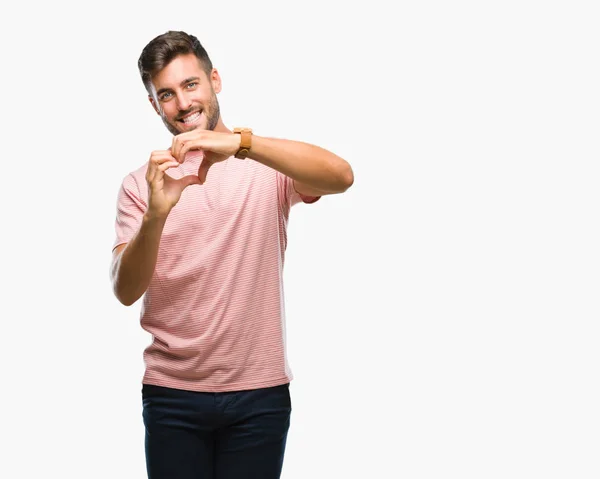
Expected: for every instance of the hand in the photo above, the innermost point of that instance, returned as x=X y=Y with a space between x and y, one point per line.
x=217 y=146
x=163 y=191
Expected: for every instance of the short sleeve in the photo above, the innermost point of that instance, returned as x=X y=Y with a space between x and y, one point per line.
x=288 y=194
x=130 y=211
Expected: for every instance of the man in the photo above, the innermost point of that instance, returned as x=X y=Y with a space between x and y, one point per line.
x=204 y=245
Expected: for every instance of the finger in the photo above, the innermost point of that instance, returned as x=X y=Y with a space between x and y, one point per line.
x=173 y=148
x=157 y=159
x=168 y=164
x=176 y=148
x=184 y=142
x=185 y=147
x=189 y=146
x=151 y=171
x=159 y=173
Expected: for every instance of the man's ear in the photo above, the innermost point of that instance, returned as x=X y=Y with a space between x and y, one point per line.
x=153 y=103
x=215 y=80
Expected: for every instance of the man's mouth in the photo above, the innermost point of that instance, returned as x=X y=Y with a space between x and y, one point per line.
x=191 y=118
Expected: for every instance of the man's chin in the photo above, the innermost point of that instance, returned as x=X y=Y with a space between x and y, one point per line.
x=178 y=127
x=185 y=128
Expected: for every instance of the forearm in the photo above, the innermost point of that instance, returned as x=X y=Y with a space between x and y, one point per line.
x=303 y=162
x=134 y=267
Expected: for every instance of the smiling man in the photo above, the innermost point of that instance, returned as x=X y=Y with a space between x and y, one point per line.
x=201 y=236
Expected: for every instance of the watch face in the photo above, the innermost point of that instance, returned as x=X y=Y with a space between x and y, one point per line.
x=242 y=154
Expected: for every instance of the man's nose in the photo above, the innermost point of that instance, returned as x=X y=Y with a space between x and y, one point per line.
x=183 y=102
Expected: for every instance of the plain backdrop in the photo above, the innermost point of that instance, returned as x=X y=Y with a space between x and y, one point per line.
x=442 y=314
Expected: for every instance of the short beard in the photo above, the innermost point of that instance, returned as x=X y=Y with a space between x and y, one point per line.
x=212 y=120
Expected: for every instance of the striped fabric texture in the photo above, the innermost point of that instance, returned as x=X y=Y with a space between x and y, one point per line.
x=215 y=305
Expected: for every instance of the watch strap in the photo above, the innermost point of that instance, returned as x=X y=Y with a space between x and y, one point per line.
x=245 y=143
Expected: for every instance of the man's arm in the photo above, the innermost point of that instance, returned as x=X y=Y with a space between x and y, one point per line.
x=315 y=170
x=133 y=263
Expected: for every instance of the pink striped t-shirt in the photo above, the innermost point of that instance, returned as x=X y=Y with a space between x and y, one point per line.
x=215 y=304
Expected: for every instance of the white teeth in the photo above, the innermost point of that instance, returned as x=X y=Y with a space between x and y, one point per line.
x=192 y=118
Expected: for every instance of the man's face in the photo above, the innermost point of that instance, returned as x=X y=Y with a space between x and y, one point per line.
x=185 y=97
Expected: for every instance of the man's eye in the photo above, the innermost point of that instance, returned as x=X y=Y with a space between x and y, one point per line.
x=164 y=96
x=192 y=84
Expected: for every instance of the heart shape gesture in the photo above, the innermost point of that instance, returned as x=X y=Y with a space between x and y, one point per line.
x=216 y=146
x=164 y=191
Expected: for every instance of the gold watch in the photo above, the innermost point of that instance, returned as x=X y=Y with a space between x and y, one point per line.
x=245 y=144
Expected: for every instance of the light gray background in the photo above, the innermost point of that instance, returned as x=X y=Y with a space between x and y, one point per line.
x=442 y=313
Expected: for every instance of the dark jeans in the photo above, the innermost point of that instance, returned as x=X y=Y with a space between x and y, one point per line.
x=231 y=435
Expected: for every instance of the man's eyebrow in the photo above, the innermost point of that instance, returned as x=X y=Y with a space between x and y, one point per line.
x=187 y=80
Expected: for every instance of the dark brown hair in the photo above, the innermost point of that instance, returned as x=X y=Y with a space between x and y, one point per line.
x=164 y=48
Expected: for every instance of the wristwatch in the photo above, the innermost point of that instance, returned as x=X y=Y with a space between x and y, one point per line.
x=246 y=142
